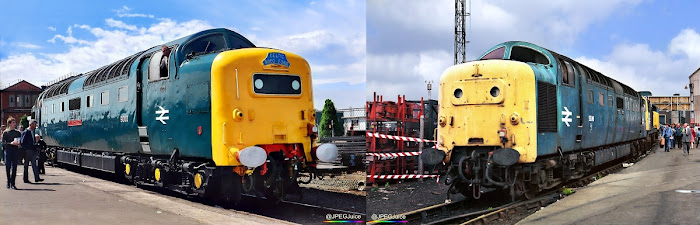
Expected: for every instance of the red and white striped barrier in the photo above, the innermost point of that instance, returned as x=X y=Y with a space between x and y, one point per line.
x=400 y=138
x=400 y=154
x=401 y=177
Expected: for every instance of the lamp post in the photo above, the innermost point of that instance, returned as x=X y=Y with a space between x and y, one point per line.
x=429 y=84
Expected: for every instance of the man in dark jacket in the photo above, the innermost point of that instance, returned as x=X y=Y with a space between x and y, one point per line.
x=30 y=149
x=10 y=142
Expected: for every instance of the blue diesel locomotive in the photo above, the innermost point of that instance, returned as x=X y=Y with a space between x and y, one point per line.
x=208 y=114
x=525 y=119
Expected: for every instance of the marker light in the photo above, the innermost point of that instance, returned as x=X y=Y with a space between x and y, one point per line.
x=252 y=156
x=327 y=152
x=502 y=133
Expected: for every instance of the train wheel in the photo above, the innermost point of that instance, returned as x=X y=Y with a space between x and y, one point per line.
x=525 y=190
x=466 y=190
x=271 y=186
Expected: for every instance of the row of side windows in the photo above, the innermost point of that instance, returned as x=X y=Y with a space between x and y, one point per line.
x=75 y=103
x=625 y=103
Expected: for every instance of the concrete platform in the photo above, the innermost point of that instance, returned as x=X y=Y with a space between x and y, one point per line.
x=663 y=188
x=70 y=198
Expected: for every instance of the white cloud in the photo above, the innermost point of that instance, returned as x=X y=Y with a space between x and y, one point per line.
x=406 y=73
x=26 y=45
x=109 y=46
x=664 y=72
x=686 y=43
x=52 y=28
x=353 y=73
x=68 y=39
x=119 y=24
x=302 y=43
x=124 y=12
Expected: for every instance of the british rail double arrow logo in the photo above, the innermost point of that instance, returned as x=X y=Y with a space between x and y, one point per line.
x=567 y=115
x=162 y=118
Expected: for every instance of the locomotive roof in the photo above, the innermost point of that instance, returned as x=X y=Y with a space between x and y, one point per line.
x=120 y=69
x=591 y=74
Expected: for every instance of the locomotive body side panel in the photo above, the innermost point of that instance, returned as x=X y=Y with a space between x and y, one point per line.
x=175 y=108
x=570 y=114
x=106 y=125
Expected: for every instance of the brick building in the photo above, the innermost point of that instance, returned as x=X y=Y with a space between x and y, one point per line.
x=17 y=100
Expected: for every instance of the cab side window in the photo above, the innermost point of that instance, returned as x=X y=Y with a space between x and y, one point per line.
x=567 y=73
x=205 y=45
x=528 y=55
x=238 y=43
x=495 y=54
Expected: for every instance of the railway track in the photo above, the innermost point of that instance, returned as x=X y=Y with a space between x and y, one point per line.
x=467 y=212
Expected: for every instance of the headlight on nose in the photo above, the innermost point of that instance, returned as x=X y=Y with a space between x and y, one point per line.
x=495 y=91
x=458 y=93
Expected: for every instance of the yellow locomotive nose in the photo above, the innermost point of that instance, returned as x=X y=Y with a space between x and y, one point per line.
x=501 y=98
x=259 y=97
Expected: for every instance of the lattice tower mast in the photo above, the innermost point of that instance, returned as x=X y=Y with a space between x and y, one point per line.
x=462 y=17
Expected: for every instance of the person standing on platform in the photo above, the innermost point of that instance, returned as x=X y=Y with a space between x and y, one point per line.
x=686 y=139
x=30 y=149
x=2 y=149
x=42 y=153
x=672 y=136
x=667 y=134
x=10 y=142
x=697 y=136
x=692 y=136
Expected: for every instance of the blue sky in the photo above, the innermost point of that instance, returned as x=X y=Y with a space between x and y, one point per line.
x=43 y=40
x=648 y=44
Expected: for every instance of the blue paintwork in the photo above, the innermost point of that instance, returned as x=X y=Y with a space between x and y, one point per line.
x=598 y=125
x=113 y=127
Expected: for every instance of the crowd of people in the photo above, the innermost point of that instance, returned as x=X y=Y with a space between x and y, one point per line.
x=682 y=136
x=18 y=144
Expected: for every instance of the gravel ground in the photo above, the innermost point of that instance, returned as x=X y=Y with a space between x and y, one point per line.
x=406 y=196
x=353 y=183
x=514 y=218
